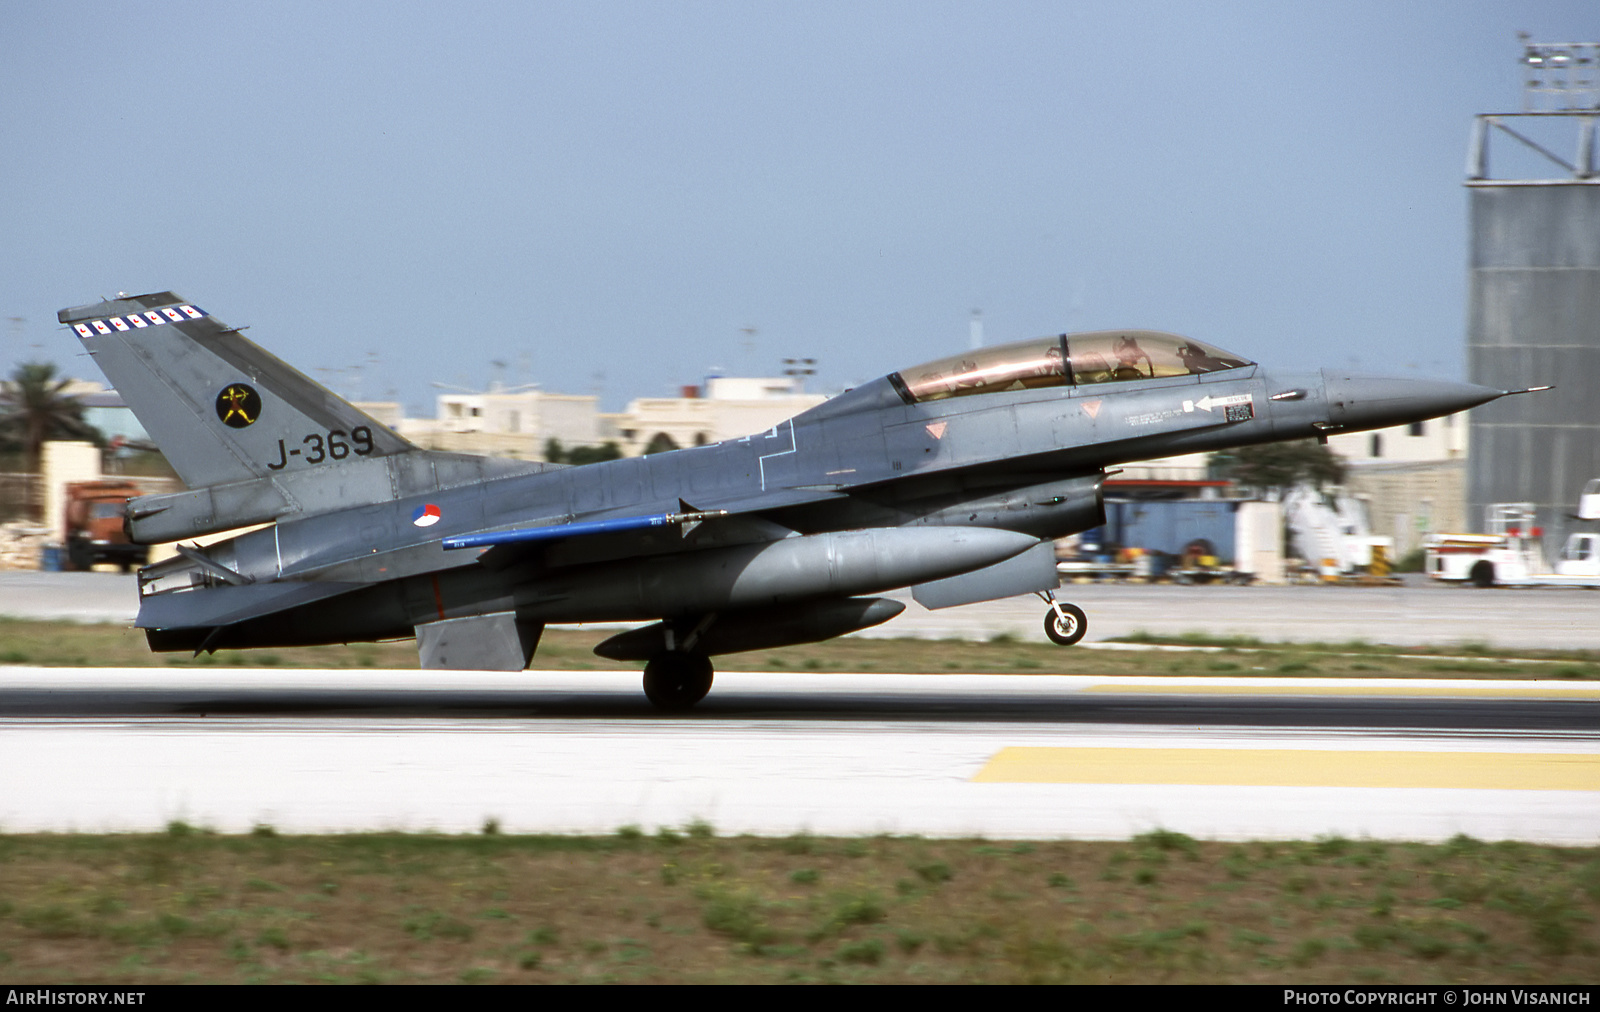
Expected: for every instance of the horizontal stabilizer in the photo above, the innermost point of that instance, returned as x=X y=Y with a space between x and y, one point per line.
x=220 y=606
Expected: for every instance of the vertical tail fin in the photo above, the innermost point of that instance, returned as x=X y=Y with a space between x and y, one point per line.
x=221 y=408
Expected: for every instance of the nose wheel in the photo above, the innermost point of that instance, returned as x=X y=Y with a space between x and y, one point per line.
x=675 y=680
x=1064 y=623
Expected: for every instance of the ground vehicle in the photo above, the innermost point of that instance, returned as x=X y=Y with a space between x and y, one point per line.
x=1589 y=501
x=1510 y=554
x=1580 y=557
x=95 y=532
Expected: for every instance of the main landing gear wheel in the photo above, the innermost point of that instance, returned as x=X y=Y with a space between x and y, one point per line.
x=674 y=680
x=1065 y=623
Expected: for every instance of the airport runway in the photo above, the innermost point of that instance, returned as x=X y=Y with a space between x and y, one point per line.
x=1414 y=614
x=775 y=753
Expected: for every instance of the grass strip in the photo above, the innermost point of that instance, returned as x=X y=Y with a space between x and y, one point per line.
x=56 y=644
x=684 y=905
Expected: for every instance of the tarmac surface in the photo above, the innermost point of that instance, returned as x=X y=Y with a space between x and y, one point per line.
x=1007 y=756
x=1418 y=613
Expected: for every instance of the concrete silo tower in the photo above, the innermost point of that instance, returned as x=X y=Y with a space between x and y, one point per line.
x=1533 y=303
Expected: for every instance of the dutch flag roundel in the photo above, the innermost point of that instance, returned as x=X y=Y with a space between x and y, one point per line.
x=426 y=516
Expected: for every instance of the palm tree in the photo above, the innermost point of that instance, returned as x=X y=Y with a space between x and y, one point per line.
x=660 y=443
x=34 y=407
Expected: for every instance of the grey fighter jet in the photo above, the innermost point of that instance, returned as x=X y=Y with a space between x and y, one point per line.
x=951 y=478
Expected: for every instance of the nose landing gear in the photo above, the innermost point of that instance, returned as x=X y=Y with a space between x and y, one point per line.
x=1064 y=623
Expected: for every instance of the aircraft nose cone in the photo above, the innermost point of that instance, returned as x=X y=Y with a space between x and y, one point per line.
x=1375 y=402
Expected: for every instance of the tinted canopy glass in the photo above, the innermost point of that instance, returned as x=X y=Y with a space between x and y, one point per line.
x=1020 y=366
x=1111 y=355
x=1102 y=357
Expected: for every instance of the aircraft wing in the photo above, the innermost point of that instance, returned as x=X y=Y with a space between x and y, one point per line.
x=580 y=528
x=507 y=546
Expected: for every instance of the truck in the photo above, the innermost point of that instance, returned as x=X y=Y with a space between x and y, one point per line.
x=1510 y=553
x=95 y=530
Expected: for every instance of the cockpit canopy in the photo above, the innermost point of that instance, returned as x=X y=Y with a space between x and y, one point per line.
x=1107 y=356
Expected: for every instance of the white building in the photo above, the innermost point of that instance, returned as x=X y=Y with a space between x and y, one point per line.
x=1413 y=478
x=728 y=407
x=499 y=423
x=1432 y=441
x=520 y=423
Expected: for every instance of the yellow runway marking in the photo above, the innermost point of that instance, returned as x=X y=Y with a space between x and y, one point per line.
x=1524 y=771
x=1358 y=689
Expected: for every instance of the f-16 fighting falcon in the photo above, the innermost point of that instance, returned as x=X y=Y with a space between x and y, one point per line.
x=951 y=478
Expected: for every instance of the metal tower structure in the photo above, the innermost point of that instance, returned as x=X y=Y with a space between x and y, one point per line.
x=1533 y=294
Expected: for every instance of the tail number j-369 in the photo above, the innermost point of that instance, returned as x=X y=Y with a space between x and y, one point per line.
x=317 y=448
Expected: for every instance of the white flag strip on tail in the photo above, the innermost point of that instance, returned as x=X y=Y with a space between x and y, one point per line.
x=125 y=324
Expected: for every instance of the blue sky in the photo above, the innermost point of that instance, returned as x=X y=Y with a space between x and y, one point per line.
x=602 y=196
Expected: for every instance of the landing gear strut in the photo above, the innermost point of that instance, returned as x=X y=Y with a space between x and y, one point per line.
x=675 y=680
x=1064 y=623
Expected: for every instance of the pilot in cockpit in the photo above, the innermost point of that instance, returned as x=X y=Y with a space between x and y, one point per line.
x=1128 y=355
x=1196 y=359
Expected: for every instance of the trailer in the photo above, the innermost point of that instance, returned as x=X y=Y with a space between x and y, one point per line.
x=1183 y=540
